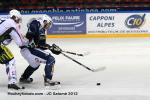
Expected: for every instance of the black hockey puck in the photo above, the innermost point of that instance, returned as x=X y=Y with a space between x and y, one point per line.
x=22 y=87
x=98 y=84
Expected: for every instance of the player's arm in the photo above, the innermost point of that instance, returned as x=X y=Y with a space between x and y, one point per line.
x=33 y=30
x=42 y=41
x=17 y=37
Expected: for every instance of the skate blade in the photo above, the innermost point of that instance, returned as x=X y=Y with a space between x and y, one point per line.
x=98 y=69
x=14 y=90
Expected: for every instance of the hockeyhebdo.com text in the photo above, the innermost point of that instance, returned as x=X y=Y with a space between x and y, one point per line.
x=16 y=93
x=24 y=93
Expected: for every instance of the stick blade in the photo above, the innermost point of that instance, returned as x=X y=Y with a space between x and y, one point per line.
x=86 y=53
x=98 y=69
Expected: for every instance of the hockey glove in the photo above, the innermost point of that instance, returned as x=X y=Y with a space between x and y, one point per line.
x=55 y=49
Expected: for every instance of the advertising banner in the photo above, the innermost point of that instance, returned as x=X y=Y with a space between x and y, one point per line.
x=68 y=23
x=93 y=23
x=114 y=23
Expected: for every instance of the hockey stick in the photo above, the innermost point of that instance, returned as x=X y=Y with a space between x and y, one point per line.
x=93 y=70
x=69 y=52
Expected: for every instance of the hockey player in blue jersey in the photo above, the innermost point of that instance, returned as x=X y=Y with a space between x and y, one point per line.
x=35 y=54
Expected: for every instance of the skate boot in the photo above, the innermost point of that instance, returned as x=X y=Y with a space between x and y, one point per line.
x=28 y=80
x=48 y=82
x=15 y=87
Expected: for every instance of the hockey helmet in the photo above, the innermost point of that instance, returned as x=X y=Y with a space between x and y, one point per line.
x=15 y=13
x=47 y=21
x=47 y=18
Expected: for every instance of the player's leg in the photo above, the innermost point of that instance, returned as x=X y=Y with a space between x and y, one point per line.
x=49 y=67
x=33 y=66
x=25 y=77
x=40 y=56
x=36 y=56
x=7 y=58
x=49 y=60
x=49 y=70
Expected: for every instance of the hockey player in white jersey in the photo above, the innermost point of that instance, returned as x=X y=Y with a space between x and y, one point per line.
x=35 y=54
x=9 y=30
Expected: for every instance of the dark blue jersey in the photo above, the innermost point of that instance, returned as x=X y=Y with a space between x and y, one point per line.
x=37 y=34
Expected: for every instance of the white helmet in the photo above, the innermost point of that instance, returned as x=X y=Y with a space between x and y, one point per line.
x=15 y=13
x=47 y=18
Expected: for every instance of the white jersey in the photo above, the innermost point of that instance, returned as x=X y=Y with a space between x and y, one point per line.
x=10 y=28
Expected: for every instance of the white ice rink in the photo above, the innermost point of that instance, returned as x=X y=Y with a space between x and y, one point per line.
x=127 y=76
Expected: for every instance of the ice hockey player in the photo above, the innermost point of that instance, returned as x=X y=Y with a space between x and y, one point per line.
x=35 y=54
x=9 y=30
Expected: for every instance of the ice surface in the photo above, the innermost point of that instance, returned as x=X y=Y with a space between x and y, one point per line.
x=127 y=76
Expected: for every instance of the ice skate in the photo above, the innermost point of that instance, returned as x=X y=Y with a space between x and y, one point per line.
x=28 y=80
x=49 y=84
x=15 y=87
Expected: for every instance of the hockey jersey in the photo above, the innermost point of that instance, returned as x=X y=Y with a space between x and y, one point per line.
x=10 y=30
x=37 y=34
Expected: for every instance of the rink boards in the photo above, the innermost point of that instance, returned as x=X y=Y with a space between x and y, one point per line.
x=101 y=36
x=94 y=25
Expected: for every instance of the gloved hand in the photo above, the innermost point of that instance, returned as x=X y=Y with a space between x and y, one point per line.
x=55 y=49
